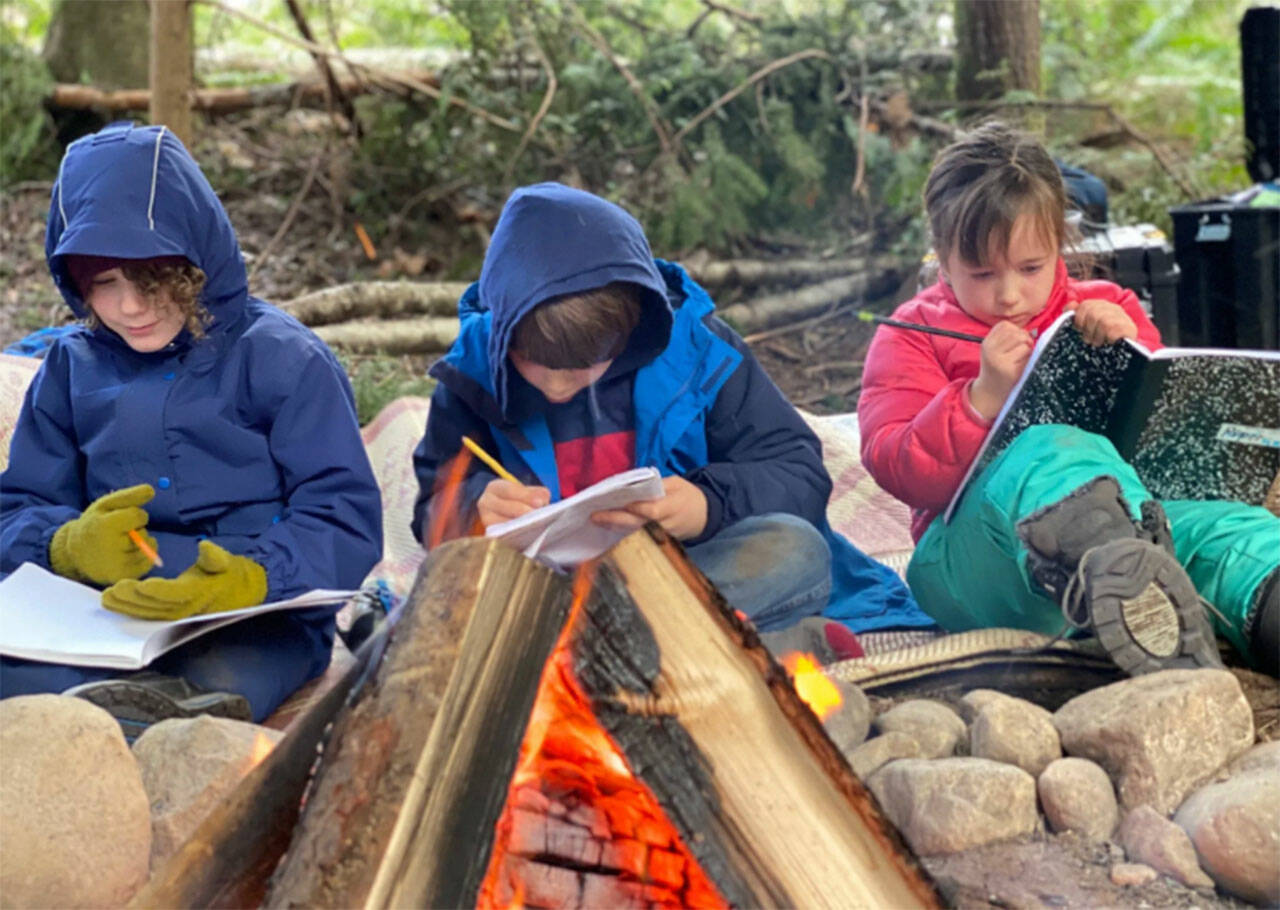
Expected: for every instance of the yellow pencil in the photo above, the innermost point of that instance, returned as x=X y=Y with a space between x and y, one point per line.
x=488 y=459
x=141 y=544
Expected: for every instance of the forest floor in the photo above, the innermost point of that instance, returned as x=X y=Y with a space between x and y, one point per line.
x=258 y=168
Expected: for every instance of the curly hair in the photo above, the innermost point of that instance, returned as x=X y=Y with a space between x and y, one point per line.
x=183 y=283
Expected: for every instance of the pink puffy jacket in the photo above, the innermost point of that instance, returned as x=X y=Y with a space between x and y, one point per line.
x=919 y=432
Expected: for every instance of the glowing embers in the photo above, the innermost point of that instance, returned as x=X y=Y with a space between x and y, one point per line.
x=578 y=829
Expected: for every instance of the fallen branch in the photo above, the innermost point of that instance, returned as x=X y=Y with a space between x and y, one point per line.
x=289 y=215
x=875 y=277
x=552 y=84
x=650 y=109
x=746 y=84
x=336 y=94
x=387 y=299
x=424 y=88
x=428 y=334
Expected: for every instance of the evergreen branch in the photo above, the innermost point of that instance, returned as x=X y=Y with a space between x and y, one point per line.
x=746 y=84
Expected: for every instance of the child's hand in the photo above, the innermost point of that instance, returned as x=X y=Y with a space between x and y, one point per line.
x=682 y=511
x=503 y=500
x=1102 y=322
x=1005 y=352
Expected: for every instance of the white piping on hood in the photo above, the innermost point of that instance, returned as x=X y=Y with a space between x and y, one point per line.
x=155 y=169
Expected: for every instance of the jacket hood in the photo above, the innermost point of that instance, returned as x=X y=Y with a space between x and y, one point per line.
x=553 y=240
x=134 y=192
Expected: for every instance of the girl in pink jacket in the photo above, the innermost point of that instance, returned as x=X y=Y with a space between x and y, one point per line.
x=1053 y=525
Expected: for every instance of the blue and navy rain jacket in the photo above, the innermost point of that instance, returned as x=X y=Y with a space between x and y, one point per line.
x=248 y=435
x=701 y=405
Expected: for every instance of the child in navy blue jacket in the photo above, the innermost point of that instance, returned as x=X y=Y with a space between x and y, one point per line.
x=187 y=412
x=579 y=356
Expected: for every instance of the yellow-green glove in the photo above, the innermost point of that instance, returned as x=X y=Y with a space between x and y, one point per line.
x=96 y=547
x=218 y=581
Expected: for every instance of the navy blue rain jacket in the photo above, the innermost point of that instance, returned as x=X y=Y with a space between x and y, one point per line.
x=248 y=435
x=704 y=408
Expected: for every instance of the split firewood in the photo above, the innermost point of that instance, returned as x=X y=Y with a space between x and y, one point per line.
x=429 y=334
x=741 y=765
x=406 y=782
x=385 y=299
x=227 y=861
x=875 y=278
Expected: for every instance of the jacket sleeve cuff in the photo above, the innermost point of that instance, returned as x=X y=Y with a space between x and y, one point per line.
x=970 y=409
x=715 y=517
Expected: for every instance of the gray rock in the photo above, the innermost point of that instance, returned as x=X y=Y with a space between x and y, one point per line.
x=75 y=828
x=1235 y=829
x=934 y=725
x=868 y=757
x=1262 y=756
x=1148 y=837
x=1128 y=875
x=189 y=766
x=1077 y=796
x=1159 y=736
x=975 y=700
x=952 y=804
x=1015 y=732
x=848 y=724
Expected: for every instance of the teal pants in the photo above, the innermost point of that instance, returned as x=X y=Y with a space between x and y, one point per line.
x=972 y=573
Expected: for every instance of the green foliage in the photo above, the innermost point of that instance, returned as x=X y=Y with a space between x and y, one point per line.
x=27 y=147
x=1172 y=68
x=380 y=379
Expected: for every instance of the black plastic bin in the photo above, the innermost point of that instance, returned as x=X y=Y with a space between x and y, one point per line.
x=1229 y=290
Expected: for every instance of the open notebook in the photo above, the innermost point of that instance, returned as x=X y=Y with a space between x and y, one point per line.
x=1195 y=423
x=562 y=534
x=46 y=617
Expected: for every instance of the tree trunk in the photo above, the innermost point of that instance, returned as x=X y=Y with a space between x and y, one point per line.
x=171 y=67
x=998 y=48
x=100 y=43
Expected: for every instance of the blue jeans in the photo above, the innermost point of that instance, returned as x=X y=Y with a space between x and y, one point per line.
x=775 y=568
x=265 y=659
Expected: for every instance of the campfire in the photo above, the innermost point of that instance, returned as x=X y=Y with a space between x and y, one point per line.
x=616 y=739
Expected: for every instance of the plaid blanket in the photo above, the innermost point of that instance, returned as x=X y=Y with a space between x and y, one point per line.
x=873 y=520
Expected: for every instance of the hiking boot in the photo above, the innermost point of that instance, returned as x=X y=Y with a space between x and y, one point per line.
x=1119 y=579
x=142 y=699
x=826 y=640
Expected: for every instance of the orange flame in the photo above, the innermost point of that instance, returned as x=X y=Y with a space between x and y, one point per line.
x=445 y=510
x=568 y=760
x=811 y=684
x=262 y=746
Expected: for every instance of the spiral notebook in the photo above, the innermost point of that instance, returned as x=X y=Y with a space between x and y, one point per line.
x=46 y=617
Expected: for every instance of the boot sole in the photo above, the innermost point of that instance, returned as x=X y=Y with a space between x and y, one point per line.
x=137 y=706
x=1145 y=611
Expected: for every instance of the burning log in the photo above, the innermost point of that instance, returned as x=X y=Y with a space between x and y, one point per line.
x=665 y=760
x=443 y=719
x=712 y=727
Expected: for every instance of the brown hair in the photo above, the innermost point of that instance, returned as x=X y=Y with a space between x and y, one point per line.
x=982 y=183
x=579 y=330
x=183 y=282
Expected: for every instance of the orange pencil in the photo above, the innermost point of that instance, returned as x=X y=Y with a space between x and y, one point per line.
x=141 y=544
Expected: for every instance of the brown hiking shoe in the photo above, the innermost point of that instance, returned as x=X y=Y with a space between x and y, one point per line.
x=1119 y=579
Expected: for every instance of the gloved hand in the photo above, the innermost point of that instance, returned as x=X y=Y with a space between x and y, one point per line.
x=217 y=581
x=96 y=547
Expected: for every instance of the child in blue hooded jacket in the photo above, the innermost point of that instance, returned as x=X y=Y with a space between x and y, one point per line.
x=580 y=356
x=188 y=412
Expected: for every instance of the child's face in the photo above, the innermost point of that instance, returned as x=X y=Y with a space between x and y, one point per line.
x=558 y=386
x=1014 y=285
x=145 y=323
